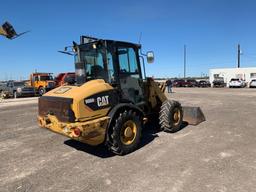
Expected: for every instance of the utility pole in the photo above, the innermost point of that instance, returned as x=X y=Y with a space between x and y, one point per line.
x=238 y=55
x=185 y=60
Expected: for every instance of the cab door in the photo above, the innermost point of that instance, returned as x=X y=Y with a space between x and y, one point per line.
x=130 y=73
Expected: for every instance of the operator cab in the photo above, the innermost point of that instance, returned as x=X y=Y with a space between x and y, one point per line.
x=116 y=62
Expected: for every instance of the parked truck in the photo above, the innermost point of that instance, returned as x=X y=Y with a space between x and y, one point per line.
x=218 y=82
x=16 y=89
x=2 y=86
x=42 y=82
x=68 y=78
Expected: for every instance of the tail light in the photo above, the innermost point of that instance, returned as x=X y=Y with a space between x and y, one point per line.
x=77 y=132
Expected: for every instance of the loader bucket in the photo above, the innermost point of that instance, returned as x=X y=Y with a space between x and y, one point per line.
x=193 y=115
x=7 y=30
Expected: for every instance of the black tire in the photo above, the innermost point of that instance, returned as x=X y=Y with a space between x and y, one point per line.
x=171 y=116
x=117 y=143
x=41 y=91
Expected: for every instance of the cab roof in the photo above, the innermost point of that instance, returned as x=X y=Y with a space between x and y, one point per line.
x=88 y=39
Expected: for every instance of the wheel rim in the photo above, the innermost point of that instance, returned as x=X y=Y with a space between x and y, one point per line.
x=41 y=91
x=176 y=116
x=128 y=132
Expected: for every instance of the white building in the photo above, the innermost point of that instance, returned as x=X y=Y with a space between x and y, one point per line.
x=246 y=74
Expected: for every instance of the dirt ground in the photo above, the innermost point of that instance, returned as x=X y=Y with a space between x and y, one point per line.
x=217 y=155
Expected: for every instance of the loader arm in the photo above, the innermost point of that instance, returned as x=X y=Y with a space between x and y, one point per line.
x=155 y=92
x=191 y=114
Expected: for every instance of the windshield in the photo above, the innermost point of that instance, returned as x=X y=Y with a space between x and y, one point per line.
x=59 y=77
x=91 y=64
x=46 y=78
x=234 y=80
x=17 y=84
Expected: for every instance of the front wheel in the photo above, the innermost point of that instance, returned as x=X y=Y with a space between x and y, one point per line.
x=171 y=116
x=126 y=133
x=41 y=91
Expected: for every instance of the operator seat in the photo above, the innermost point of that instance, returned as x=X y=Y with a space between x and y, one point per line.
x=98 y=72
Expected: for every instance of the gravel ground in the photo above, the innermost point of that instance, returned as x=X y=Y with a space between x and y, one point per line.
x=217 y=155
x=18 y=101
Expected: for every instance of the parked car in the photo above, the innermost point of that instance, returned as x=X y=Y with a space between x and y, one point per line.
x=218 y=82
x=2 y=86
x=203 y=83
x=18 y=89
x=191 y=83
x=252 y=83
x=2 y=89
x=237 y=83
x=65 y=79
x=179 y=83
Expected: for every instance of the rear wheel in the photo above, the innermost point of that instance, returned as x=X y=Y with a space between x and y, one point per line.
x=171 y=116
x=125 y=133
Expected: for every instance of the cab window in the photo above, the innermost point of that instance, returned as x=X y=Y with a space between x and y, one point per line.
x=127 y=60
x=111 y=76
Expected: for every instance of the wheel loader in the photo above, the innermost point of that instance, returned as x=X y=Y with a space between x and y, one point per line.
x=112 y=99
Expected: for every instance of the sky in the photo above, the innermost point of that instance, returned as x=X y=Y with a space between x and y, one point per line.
x=211 y=30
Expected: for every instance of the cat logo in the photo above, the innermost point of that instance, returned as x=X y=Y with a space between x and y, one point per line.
x=103 y=101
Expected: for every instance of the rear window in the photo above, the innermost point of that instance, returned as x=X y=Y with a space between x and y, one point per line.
x=59 y=76
x=46 y=78
x=234 y=79
x=71 y=76
x=19 y=84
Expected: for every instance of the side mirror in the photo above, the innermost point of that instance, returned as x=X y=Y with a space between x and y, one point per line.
x=150 y=57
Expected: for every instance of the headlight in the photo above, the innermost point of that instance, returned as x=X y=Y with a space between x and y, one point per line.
x=19 y=90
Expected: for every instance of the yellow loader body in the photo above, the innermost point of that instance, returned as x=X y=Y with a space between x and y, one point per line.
x=91 y=125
